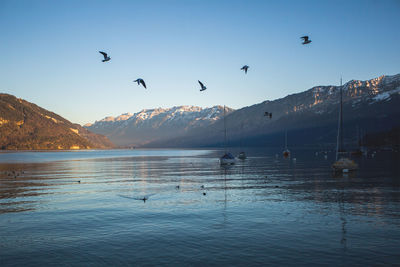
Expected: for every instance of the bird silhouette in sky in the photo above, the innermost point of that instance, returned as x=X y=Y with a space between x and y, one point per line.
x=306 y=40
x=245 y=68
x=268 y=114
x=106 y=58
x=140 y=81
x=202 y=86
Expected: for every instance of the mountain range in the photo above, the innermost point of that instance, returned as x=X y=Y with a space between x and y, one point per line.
x=309 y=117
x=24 y=125
x=155 y=125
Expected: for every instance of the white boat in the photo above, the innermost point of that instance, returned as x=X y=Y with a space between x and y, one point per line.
x=286 y=152
x=242 y=155
x=227 y=158
x=342 y=163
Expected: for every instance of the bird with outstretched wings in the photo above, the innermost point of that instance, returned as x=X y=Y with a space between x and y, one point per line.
x=106 y=57
x=140 y=81
x=202 y=86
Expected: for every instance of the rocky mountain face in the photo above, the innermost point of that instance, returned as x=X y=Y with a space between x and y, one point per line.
x=24 y=125
x=156 y=125
x=310 y=117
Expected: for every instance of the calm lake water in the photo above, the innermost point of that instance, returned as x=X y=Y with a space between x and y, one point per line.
x=83 y=208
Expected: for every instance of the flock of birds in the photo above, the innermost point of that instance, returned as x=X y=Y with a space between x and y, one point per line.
x=140 y=81
x=13 y=173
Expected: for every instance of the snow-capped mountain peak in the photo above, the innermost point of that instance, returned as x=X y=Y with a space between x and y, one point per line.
x=139 y=127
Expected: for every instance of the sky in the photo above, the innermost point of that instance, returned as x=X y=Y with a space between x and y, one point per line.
x=49 y=51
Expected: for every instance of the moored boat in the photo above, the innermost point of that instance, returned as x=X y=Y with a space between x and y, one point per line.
x=227 y=158
x=242 y=155
x=342 y=163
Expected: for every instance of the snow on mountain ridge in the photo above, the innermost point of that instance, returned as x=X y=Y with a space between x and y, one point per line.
x=160 y=116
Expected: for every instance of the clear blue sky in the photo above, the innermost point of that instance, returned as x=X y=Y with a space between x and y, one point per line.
x=49 y=51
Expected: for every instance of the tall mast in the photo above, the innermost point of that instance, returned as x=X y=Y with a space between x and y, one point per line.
x=285 y=139
x=224 y=132
x=341 y=115
x=339 y=139
x=241 y=136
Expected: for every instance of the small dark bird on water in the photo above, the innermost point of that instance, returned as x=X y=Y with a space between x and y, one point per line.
x=306 y=40
x=202 y=86
x=106 y=58
x=204 y=193
x=141 y=81
x=144 y=198
x=177 y=187
x=245 y=68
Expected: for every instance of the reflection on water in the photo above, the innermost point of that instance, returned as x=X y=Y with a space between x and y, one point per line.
x=180 y=207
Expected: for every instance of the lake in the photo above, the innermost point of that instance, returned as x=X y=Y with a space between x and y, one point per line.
x=179 y=207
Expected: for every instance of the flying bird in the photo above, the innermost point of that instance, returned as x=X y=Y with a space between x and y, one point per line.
x=106 y=58
x=202 y=86
x=268 y=114
x=140 y=81
x=245 y=68
x=306 y=39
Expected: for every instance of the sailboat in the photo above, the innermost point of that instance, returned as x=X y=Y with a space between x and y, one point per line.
x=241 y=155
x=342 y=163
x=360 y=151
x=286 y=152
x=227 y=158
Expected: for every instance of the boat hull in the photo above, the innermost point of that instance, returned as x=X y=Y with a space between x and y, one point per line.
x=345 y=165
x=286 y=153
x=242 y=155
x=227 y=161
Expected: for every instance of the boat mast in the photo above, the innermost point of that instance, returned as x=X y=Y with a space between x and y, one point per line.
x=224 y=132
x=241 y=136
x=341 y=116
x=285 y=139
x=339 y=140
